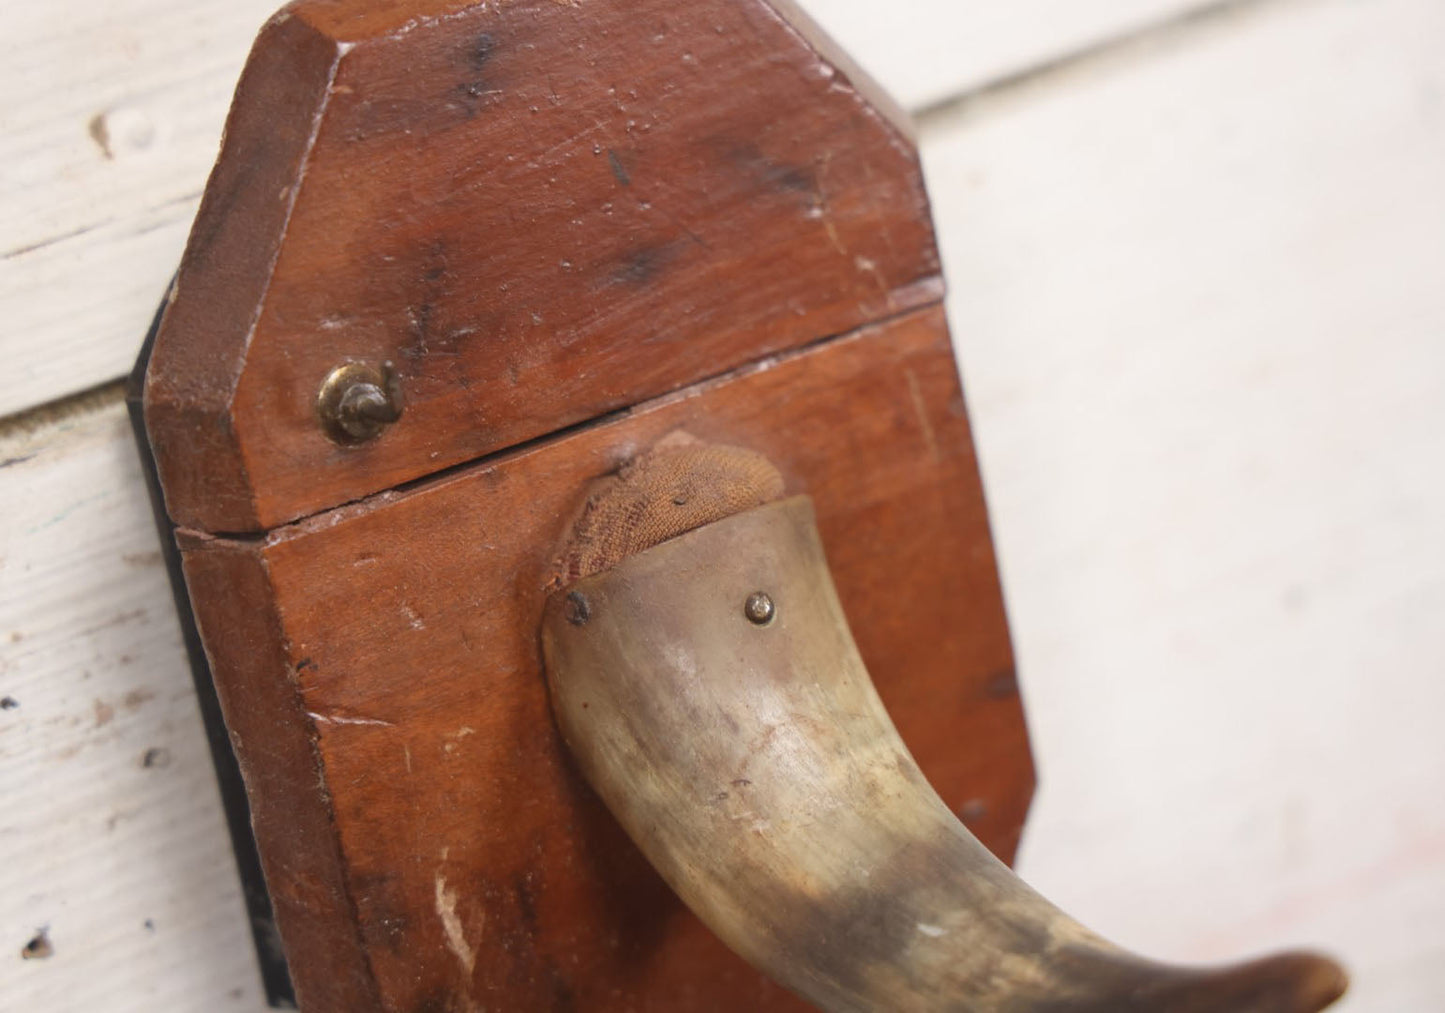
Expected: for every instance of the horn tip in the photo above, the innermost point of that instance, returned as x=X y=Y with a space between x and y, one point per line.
x=1305 y=982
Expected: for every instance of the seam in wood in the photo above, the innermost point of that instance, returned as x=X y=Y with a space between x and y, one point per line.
x=71 y=408
x=1182 y=28
x=331 y=514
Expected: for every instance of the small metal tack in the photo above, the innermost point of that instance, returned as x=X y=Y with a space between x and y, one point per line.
x=759 y=608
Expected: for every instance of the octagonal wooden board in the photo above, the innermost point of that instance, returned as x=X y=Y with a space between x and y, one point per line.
x=542 y=211
x=573 y=228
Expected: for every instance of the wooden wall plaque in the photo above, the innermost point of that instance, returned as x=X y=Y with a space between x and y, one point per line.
x=571 y=228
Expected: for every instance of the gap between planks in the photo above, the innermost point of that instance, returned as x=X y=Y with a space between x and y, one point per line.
x=1148 y=41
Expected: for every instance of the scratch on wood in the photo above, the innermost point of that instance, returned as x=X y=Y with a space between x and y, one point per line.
x=832 y=231
x=452 y=737
x=446 y=907
x=342 y=719
x=921 y=410
x=618 y=169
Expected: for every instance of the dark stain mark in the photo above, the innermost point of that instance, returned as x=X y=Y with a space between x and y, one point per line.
x=304 y=664
x=104 y=713
x=619 y=171
x=382 y=910
x=777 y=176
x=8 y=703
x=526 y=897
x=789 y=178
x=15 y=460
x=1002 y=684
x=907 y=769
x=419 y=325
x=150 y=925
x=579 y=609
x=482 y=49
x=222 y=201
x=972 y=811
x=39 y=947
x=142 y=559
x=641 y=267
x=477 y=55
x=741 y=782
x=433 y=345
x=853 y=934
x=136 y=697
x=100 y=133
x=439 y=1001
x=155 y=758
x=564 y=1000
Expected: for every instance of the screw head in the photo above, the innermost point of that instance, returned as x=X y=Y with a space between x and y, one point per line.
x=357 y=402
x=759 y=608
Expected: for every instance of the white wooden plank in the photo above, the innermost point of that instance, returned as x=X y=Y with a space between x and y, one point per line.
x=924 y=51
x=1196 y=290
x=111 y=120
x=112 y=839
x=113 y=112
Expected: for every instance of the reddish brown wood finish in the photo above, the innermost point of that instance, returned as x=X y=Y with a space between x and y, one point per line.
x=573 y=227
x=379 y=665
x=539 y=210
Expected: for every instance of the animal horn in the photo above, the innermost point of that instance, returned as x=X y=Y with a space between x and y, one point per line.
x=711 y=691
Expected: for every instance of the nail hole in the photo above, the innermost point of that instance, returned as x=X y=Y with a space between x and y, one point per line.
x=39 y=947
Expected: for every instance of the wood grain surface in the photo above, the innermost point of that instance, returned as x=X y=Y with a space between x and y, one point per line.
x=400 y=749
x=539 y=213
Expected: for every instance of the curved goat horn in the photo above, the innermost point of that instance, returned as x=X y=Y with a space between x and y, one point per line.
x=712 y=693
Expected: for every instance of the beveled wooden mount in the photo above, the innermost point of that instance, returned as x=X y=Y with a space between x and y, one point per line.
x=458 y=260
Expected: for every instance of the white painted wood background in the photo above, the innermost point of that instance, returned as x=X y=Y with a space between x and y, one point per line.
x=1197 y=260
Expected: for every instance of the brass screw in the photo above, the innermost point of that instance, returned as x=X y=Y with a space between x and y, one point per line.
x=759 y=608
x=356 y=402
